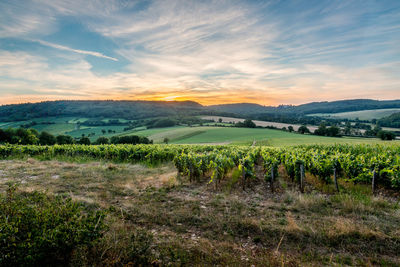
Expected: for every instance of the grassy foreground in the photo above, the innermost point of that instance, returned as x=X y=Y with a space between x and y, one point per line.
x=155 y=219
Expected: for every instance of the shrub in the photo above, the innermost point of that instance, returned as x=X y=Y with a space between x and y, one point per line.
x=47 y=139
x=386 y=135
x=102 y=141
x=37 y=229
x=64 y=140
x=84 y=141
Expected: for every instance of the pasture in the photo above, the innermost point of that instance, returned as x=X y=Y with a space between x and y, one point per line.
x=245 y=136
x=362 y=114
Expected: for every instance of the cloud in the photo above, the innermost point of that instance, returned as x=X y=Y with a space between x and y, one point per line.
x=229 y=51
x=84 y=52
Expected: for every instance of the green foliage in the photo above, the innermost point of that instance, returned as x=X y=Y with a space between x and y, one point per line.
x=47 y=139
x=164 y=122
x=391 y=121
x=246 y=123
x=303 y=129
x=37 y=229
x=19 y=136
x=352 y=162
x=84 y=141
x=386 y=135
x=102 y=141
x=130 y=139
x=64 y=140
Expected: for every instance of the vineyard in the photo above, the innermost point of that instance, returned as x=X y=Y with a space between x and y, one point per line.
x=375 y=164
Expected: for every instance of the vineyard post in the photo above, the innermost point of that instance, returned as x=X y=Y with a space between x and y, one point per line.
x=302 y=178
x=244 y=178
x=191 y=171
x=216 y=178
x=335 y=179
x=271 y=182
x=373 y=181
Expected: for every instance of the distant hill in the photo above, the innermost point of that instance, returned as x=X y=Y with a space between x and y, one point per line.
x=97 y=109
x=391 y=121
x=242 y=108
x=309 y=108
x=132 y=110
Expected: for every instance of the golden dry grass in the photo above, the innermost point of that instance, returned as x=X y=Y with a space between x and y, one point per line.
x=196 y=224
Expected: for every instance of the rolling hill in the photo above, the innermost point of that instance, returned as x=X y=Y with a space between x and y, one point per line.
x=132 y=110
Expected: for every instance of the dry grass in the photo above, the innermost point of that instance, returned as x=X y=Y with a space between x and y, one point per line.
x=195 y=224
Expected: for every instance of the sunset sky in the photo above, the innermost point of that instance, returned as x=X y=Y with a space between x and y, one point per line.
x=266 y=52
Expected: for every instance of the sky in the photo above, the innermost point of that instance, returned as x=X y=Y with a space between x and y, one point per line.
x=265 y=52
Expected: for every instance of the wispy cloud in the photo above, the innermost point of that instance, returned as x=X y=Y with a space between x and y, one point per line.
x=66 y=48
x=269 y=52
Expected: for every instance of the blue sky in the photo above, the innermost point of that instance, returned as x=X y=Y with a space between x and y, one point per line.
x=267 y=52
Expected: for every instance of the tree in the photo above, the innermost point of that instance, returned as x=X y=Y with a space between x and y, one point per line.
x=102 y=141
x=47 y=139
x=3 y=136
x=321 y=130
x=249 y=123
x=290 y=128
x=386 y=135
x=27 y=136
x=377 y=129
x=166 y=140
x=64 y=140
x=303 y=129
x=165 y=122
x=219 y=120
x=347 y=129
x=103 y=131
x=333 y=131
x=84 y=141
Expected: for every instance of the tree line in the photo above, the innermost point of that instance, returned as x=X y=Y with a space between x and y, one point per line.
x=24 y=136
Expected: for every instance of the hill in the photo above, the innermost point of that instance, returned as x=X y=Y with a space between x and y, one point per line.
x=391 y=121
x=368 y=114
x=98 y=109
x=309 y=108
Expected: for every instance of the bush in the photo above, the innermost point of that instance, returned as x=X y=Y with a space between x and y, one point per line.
x=64 y=140
x=37 y=229
x=303 y=129
x=165 y=122
x=130 y=139
x=386 y=135
x=47 y=139
x=84 y=141
x=102 y=141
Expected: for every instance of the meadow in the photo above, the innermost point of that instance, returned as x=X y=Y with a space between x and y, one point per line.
x=195 y=134
x=246 y=136
x=362 y=114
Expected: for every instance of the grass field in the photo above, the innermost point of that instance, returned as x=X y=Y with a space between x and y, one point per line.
x=279 y=125
x=362 y=115
x=191 y=135
x=163 y=221
x=244 y=136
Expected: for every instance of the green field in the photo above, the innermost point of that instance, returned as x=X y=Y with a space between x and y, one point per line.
x=244 y=136
x=186 y=134
x=69 y=126
x=362 y=114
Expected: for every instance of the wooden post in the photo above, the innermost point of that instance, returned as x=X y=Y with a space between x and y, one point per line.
x=244 y=178
x=191 y=171
x=373 y=181
x=301 y=178
x=271 y=182
x=335 y=179
x=216 y=180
